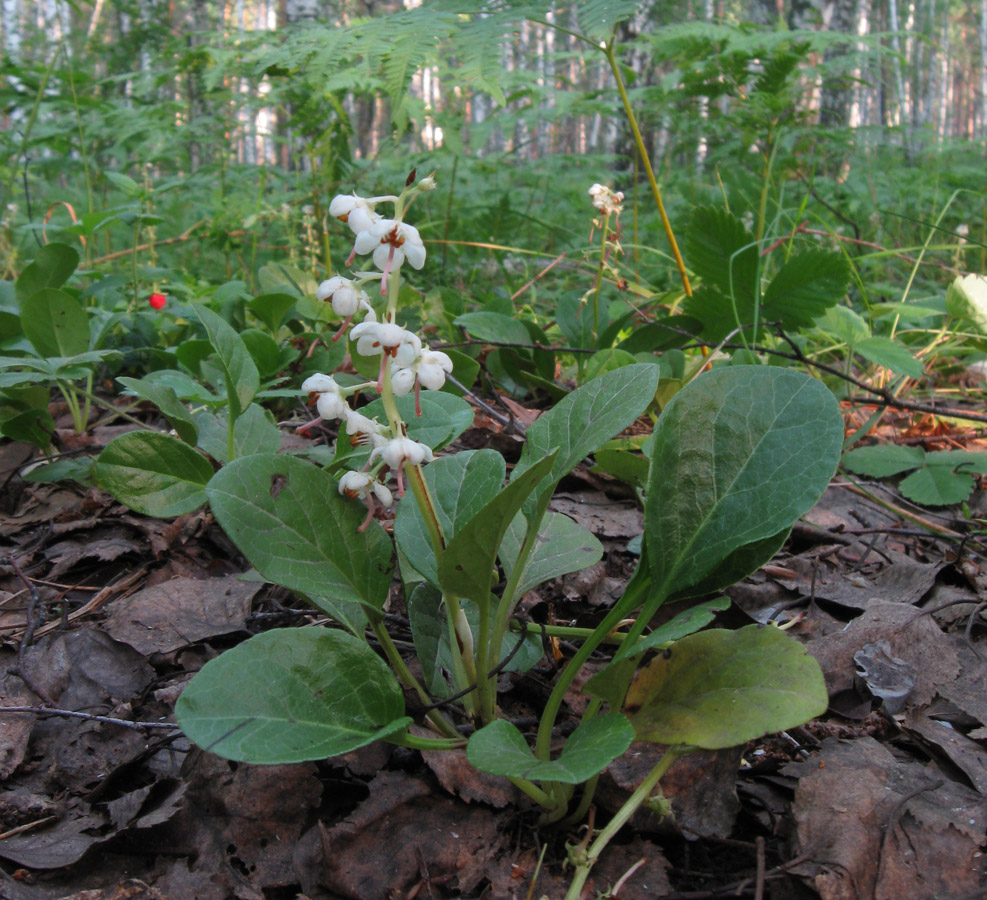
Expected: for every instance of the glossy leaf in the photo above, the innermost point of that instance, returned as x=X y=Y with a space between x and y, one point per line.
x=291 y=695
x=685 y=623
x=586 y=419
x=253 y=432
x=51 y=268
x=154 y=474
x=738 y=455
x=500 y=748
x=722 y=688
x=562 y=546
x=166 y=400
x=493 y=326
x=239 y=370
x=287 y=517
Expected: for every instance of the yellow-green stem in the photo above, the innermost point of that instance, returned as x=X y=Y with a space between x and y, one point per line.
x=622 y=817
x=646 y=161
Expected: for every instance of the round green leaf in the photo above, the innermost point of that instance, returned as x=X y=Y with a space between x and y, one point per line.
x=291 y=695
x=51 y=268
x=723 y=688
x=154 y=474
x=499 y=748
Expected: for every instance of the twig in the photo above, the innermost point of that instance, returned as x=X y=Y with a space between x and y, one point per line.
x=35 y=616
x=489 y=410
x=759 y=882
x=27 y=826
x=73 y=714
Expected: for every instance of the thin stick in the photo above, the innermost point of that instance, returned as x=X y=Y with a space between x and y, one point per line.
x=73 y=714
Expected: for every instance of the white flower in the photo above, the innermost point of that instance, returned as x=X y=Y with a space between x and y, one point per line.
x=381 y=337
x=356 y=212
x=359 y=484
x=391 y=243
x=606 y=200
x=400 y=450
x=362 y=430
x=432 y=369
x=345 y=296
x=331 y=402
x=402 y=381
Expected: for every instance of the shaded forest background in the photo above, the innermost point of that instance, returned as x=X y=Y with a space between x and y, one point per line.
x=263 y=107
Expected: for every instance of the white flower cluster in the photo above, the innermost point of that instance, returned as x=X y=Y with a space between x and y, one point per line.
x=406 y=364
x=607 y=201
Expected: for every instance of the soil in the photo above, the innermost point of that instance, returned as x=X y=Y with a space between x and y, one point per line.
x=105 y=615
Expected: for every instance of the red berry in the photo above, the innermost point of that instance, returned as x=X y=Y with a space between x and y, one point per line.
x=158 y=301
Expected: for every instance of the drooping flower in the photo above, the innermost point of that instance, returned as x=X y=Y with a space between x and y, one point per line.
x=356 y=212
x=427 y=371
x=398 y=451
x=361 y=486
x=330 y=399
x=346 y=299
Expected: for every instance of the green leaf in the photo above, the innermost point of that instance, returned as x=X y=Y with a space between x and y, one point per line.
x=844 y=324
x=631 y=468
x=264 y=351
x=239 y=371
x=461 y=485
x=685 y=623
x=805 y=286
x=723 y=254
x=492 y=326
x=722 y=688
x=882 y=460
x=271 y=308
x=586 y=419
x=124 y=182
x=606 y=361
x=467 y=565
x=662 y=334
x=291 y=695
x=937 y=486
x=287 y=517
x=33 y=426
x=890 y=354
x=499 y=748
x=63 y=470
x=738 y=455
x=55 y=323
x=254 y=432
x=574 y=316
x=714 y=310
x=51 y=268
x=562 y=546
x=166 y=400
x=154 y=474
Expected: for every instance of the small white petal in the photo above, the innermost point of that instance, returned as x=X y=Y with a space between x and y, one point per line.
x=319 y=383
x=331 y=405
x=402 y=381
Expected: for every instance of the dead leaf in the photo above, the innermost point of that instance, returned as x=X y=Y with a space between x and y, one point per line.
x=599 y=514
x=400 y=831
x=180 y=612
x=875 y=828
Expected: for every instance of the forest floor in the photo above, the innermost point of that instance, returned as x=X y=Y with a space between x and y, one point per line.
x=107 y=614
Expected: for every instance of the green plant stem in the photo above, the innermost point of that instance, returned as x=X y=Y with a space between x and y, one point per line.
x=533 y=791
x=571 y=632
x=70 y=394
x=598 y=282
x=621 y=818
x=416 y=742
x=554 y=702
x=611 y=56
x=408 y=679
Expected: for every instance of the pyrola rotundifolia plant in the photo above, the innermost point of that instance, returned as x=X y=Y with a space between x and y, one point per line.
x=736 y=457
